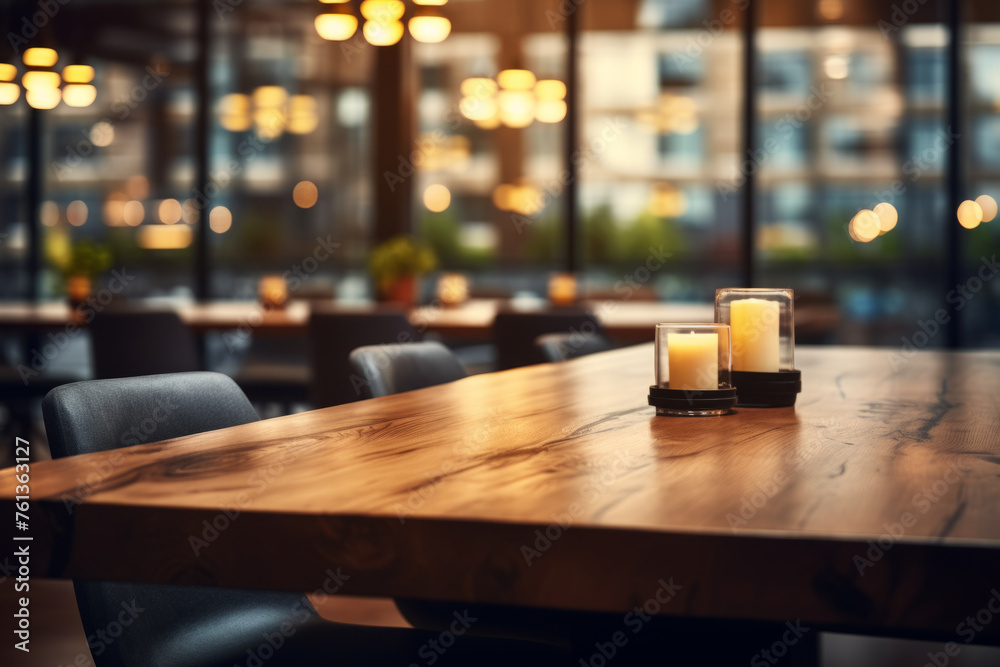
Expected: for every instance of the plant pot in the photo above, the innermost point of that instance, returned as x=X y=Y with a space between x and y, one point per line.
x=78 y=289
x=402 y=292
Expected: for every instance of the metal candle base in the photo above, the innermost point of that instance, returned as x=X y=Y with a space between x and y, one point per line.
x=767 y=390
x=692 y=403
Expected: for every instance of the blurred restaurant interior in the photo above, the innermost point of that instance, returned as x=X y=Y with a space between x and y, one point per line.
x=245 y=163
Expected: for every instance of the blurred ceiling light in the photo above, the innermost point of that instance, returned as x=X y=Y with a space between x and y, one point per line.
x=503 y=197
x=114 y=209
x=160 y=237
x=234 y=112
x=269 y=124
x=137 y=186
x=431 y=3
x=220 y=220
x=516 y=79
x=79 y=95
x=989 y=206
x=383 y=34
x=830 y=10
x=550 y=89
x=43 y=98
x=337 y=24
x=480 y=88
x=302 y=115
x=133 y=213
x=102 y=134
x=517 y=108
x=40 y=79
x=269 y=97
x=525 y=199
x=550 y=111
x=475 y=108
x=305 y=194
x=672 y=114
x=170 y=211
x=429 y=26
x=78 y=74
x=887 y=217
x=836 y=66
x=48 y=213
x=7 y=72
x=9 y=93
x=77 y=213
x=40 y=57
x=865 y=225
x=352 y=107
x=437 y=198
x=970 y=214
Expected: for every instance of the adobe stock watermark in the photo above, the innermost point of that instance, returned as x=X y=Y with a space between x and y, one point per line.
x=40 y=359
x=756 y=158
x=34 y=23
x=434 y=649
x=901 y=14
x=781 y=646
x=557 y=17
x=957 y=299
x=916 y=166
x=704 y=38
x=922 y=503
x=967 y=629
x=634 y=621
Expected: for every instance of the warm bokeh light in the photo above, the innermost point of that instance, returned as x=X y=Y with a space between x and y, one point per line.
x=550 y=89
x=437 y=198
x=431 y=3
x=114 y=209
x=516 y=79
x=9 y=93
x=270 y=97
x=305 y=194
x=102 y=134
x=79 y=95
x=989 y=206
x=667 y=201
x=480 y=88
x=430 y=29
x=190 y=213
x=517 y=108
x=40 y=57
x=477 y=109
x=234 y=112
x=272 y=290
x=562 y=289
x=836 y=66
x=77 y=213
x=220 y=220
x=383 y=11
x=7 y=72
x=35 y=80
x=134 y=213
x=830 y=10
x=336 y=27
x=78 y=74
x=503 y=197
x=169 y=211
x=49 y=213
x=269 y=123
x=161 y=237
x=302 y=115
x=453 y=289
x=137 y=186
x=383 y=34
x=43 y=98
x=550 y=111
x=970 y=214
x=865 y=226
x=887 y=216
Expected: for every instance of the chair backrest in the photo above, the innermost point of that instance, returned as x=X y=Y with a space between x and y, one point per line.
x=566 y=346
x=391 y=369
x=334 y=335
x=176 y=623
x=514 y=333
x=129 y=342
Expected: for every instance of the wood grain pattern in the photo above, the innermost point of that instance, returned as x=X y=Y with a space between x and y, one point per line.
x=443 y=493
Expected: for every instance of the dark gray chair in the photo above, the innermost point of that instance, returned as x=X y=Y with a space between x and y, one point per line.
x=382 y=370
x=515 y=332
x=334 y=334
x=202 y=626
x=126 y=342
x=566 y=346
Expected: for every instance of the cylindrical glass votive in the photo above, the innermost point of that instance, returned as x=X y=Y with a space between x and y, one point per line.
x=693 y=364
x=762 y=322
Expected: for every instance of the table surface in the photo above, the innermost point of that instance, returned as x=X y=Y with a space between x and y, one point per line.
x=626 y=320
x=871 y=505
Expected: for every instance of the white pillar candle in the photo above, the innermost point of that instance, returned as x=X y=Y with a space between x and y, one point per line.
x=694 y=361
x=754 y=325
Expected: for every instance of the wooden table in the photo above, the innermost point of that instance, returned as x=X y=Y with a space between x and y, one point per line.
x=871 y=506
x=628 y=321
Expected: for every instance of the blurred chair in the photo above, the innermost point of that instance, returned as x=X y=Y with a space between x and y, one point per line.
x=126 y=342
x=514 y=333
x=334 y=334
x=393 y=369
x=566 y=346
x=275 y=369
x=204 y=626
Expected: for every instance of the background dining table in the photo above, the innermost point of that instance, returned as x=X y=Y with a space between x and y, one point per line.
x=871 y=506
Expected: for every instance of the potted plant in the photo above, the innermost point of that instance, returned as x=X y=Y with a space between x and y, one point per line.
x=79 y=263
x=395 y=265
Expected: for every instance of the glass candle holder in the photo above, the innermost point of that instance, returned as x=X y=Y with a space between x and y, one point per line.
x=693 y=368
x=762 y=322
